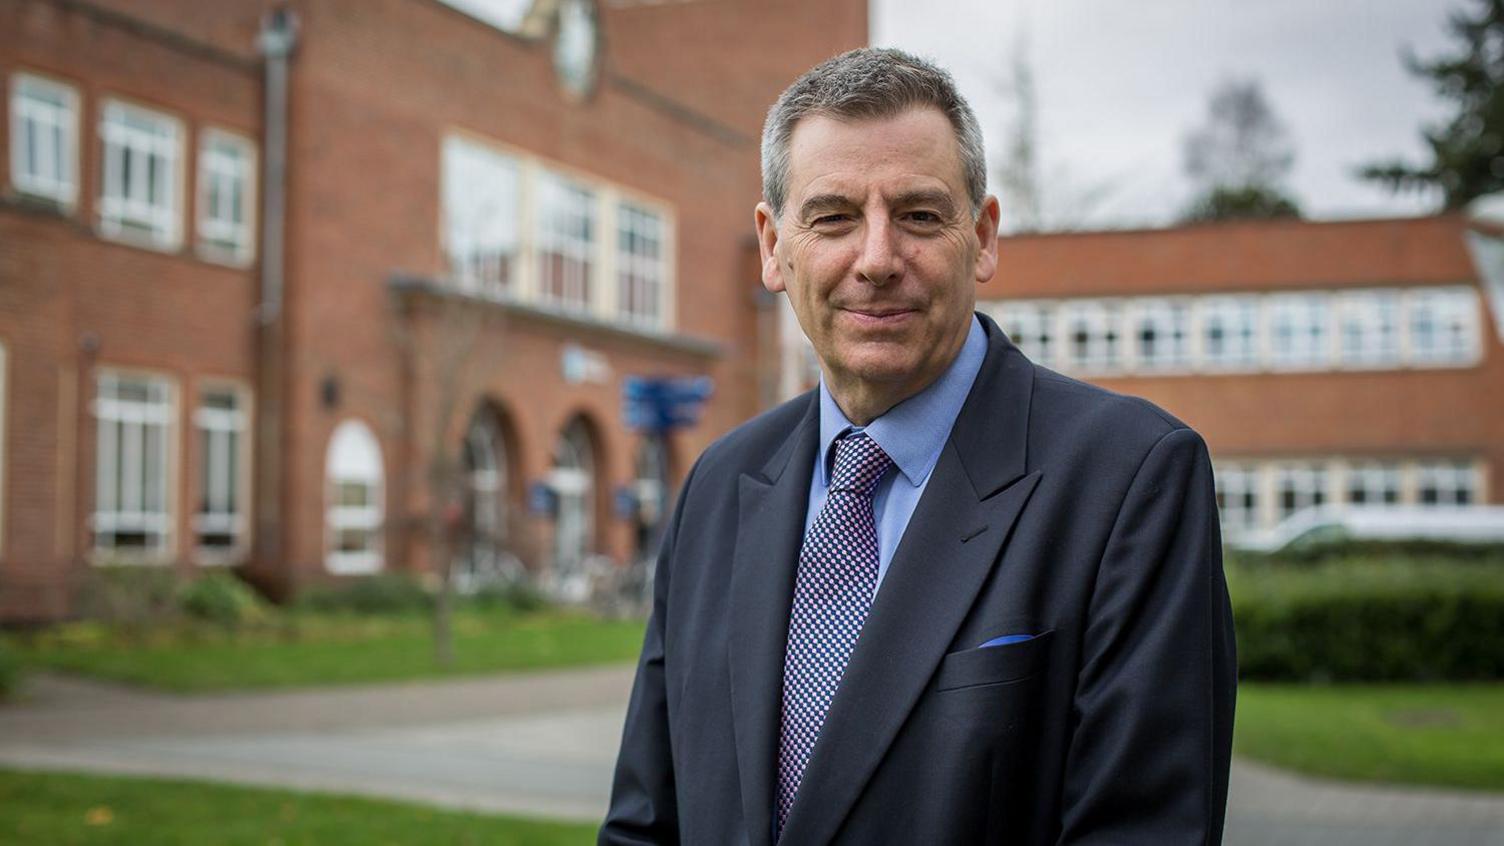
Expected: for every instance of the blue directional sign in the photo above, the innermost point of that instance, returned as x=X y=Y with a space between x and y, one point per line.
x=663 y=404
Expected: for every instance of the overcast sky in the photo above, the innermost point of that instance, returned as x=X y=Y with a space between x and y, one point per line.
x=1119 y=84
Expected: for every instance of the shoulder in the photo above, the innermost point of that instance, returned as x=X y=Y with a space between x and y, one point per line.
x=1069 y=416
x=749 y=446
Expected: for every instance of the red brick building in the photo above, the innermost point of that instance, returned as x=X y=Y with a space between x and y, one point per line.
x=422 y=314
x=1337 y=362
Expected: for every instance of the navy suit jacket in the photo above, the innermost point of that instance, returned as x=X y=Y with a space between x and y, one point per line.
x=1057 y=509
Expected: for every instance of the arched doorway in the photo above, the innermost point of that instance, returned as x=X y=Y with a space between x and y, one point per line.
x=484 y=553
x=573 y=481
x=354 y=496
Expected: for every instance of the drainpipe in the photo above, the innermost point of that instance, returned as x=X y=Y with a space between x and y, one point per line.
x=276 y=41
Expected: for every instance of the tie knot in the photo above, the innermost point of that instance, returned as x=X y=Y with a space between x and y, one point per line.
x=859 y=464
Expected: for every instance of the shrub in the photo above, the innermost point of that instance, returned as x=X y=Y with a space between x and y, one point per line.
x=519 y=595
x=129 y=596
x=223 y=600
x=383 y=593
x=1393 y=619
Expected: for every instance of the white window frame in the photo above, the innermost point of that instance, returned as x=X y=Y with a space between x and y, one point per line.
x=26 y=111
x=1307 y=481
x=354 y=457
x=568 y=224
x=1169 y=321
x=1449 y=478
x=486 y=256
x=1455 y=310
x=1238 y=493
x=1101 y=320
x=210 y=488
x=1238 y=316
x=130 y=217
x=220 y=239
x=1308 y=315
x=119 y=465
x=638 y=270
x=1032 y=327
x=1376 y=480
x=1369 y=328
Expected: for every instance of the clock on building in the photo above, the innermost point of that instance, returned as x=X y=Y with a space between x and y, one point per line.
x=577 y=43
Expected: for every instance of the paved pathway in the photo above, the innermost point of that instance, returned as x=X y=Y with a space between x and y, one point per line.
x=543 y=744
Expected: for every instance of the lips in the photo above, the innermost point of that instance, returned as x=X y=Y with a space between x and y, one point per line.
x=875 y=316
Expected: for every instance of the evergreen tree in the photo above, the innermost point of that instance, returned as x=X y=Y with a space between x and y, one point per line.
x=1467 y=152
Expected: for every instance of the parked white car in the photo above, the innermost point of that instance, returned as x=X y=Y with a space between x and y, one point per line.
x=1455 y=523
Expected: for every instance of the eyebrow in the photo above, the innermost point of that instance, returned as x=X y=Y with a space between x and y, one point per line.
x=824 y=203
x=939 y=199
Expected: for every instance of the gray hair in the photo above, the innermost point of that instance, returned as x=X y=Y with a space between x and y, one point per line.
x=871 y=82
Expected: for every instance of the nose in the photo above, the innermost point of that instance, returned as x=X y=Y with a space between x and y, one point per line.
x=880 y=262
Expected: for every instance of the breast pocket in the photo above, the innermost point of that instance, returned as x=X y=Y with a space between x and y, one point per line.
x=994 y=664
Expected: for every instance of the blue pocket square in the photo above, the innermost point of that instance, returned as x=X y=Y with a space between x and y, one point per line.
x=1007 y=639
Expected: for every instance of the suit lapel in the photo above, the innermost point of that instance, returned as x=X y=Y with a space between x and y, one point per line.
x=770 y=529
x=952 y=542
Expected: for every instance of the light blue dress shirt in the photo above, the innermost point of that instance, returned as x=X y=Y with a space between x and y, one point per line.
x=912 y=433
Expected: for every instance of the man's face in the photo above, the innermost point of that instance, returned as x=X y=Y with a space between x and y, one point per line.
x=878 y=248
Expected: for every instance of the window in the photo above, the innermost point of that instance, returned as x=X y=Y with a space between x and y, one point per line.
x=140 y=188
x=566 y=242
x=133 y=415
x=482 y=201
x=1297 y=330
x=573 y=480
x=1373 y=483
x=1443 y=325
x=1446 y=483
x=1299 y=486
x=1031 y=327
x=353 y=524
x=1229 y=332
x=482 y=554
x=1237 y=497
x=1369 y=323
x=639 y=264
x=226 y=205
x=1092 y=330
x=219 y=521
x=44 y=139
x=1161 y=333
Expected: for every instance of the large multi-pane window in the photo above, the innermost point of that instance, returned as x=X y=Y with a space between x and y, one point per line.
x=1093 y=331
x=226 y=202
x=1032 y=327
x=132 y=505
x=1160 y=333
x=219 y=521
x=1373 y=483
x=1369 y=328
x=566 y=241
x=1298 y=486
x=1446 y=483
x=482 y=203
x=640 y=264
x=1237 y=497
x=353 y=518
x=140 y=186
x=1443 y=325
x=1297 y=330
x=44 y=138
x=1229 y=332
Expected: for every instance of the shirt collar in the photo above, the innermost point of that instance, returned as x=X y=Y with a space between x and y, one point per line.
x=913 y=432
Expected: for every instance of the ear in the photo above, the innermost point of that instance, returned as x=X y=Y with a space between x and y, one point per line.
x=767 y=244
x=986 y=231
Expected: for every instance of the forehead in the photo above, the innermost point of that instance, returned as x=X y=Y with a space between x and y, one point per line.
x=914 y=149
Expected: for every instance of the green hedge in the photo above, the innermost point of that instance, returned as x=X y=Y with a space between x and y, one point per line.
x=1369 y=619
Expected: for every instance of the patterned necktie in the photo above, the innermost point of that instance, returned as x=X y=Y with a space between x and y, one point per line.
x=832 y=594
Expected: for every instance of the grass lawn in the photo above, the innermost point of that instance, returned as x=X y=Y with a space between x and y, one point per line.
x=52 y=809
x=1447 y=734
x=313 y=649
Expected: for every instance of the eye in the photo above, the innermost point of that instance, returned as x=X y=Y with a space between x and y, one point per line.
x=833 y=220
x=923 y=217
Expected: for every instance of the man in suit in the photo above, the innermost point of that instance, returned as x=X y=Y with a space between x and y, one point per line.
x=951 y=596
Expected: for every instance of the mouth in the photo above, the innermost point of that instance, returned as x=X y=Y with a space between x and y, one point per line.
x=880 y=317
